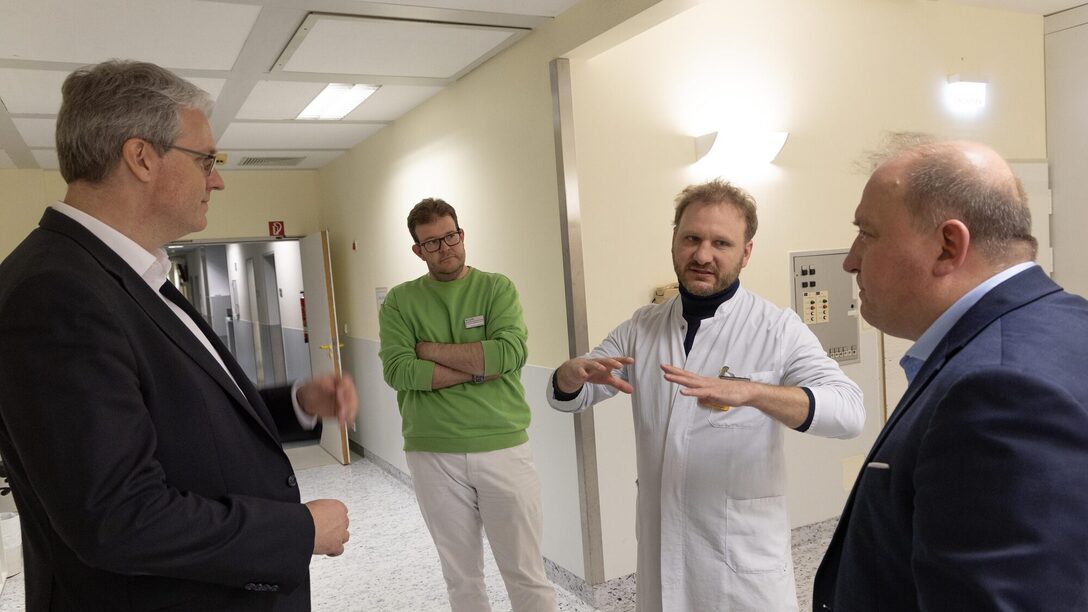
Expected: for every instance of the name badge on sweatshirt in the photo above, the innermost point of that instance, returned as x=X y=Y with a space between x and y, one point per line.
x=477 y=321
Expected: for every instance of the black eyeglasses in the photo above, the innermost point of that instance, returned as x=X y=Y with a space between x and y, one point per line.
x=207 y=160
x=450 y=239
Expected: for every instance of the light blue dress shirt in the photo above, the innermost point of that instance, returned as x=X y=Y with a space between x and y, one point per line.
x=921 y=350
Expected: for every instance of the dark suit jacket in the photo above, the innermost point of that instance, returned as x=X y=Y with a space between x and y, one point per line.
x=984 y=503
x=144 y=479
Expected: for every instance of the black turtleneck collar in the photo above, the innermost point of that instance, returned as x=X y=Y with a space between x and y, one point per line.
x=697 y=308
x=700 y=307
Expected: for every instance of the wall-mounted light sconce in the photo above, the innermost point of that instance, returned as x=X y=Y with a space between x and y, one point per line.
x=966 y=94
x=740 y=147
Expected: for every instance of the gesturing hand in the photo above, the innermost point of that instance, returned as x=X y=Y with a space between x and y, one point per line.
x=720 y=393
x=574 y=373
x=330 y=396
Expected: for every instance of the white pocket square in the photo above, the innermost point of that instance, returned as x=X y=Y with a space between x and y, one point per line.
x=877 y=465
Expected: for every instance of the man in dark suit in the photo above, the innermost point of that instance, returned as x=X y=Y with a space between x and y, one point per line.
x=147 y=469
x=975 y=494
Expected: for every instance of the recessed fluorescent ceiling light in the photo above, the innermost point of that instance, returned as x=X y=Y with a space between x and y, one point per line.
x=337 y=100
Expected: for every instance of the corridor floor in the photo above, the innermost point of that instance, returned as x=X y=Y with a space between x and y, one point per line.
x=390 y=563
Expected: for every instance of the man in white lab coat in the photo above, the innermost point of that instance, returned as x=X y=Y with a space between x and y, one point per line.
x=712 y=529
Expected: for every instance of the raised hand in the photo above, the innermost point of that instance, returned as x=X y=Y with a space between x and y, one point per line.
x=574 y=373
x=330 y=396
x=720 y=393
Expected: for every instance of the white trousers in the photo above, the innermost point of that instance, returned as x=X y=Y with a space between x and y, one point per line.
x=459 y=493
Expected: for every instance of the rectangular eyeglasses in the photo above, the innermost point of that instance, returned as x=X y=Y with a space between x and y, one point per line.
x=450 y=239
x=207 y=160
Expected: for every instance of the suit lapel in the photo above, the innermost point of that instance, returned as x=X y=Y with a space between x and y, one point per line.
x=166 y=320
x=1023 y=289
x=198 y=350
x=1016 y=292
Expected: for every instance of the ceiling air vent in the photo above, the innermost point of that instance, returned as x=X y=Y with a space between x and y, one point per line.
x=269 y=162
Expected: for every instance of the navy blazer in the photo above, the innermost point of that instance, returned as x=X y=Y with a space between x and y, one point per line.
x=144 y=477
x=975 y=494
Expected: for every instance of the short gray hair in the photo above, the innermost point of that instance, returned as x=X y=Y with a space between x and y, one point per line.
x=106 y=104
x=890 y=146
x=942 y=184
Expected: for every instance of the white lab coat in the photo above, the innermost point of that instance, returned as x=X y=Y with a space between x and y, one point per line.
x=712 y=528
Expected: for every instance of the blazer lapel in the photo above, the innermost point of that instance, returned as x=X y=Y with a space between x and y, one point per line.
x=210 y=366
x=1016 y=292
x=166 y=320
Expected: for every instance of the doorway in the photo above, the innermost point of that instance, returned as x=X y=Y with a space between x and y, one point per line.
x=252 y=293
x=249 y=292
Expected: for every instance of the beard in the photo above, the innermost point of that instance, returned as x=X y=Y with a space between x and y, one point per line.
x=702 y=286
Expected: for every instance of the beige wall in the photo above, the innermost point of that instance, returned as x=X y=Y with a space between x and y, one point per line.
x=252 y=199
x=24 y=194
x=1067 y=133
x=243 y=210
x=836 y=74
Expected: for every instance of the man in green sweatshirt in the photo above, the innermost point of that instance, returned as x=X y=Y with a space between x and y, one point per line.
x=452 y=345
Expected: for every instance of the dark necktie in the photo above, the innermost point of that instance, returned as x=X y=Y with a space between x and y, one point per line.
x=171 y=292
x=248 y=390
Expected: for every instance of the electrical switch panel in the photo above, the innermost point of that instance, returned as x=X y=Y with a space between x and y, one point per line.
x=814 y=307
x=822 y=294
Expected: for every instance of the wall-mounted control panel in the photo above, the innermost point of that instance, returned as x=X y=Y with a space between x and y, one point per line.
x=822 y=294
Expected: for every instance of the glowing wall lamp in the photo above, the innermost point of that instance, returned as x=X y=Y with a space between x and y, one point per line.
x=740 y=147
x=966 y=94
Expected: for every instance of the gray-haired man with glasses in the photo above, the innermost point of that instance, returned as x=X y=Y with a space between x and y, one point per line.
x=452 y=345
x=147 y=468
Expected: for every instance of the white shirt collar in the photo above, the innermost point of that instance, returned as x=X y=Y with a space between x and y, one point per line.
x=152 y=267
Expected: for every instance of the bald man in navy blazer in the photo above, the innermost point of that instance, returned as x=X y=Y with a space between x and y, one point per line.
x=147 y=469
x=975 y=495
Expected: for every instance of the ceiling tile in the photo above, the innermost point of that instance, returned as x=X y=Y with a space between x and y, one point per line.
x=1035 y=7
x=5 y=161
x=47 y=158
x=38 y=91
x=278 y=100
x=31 y=91
x=544 y=8
x=390 y=102
x=37 y=132
x=199 y=35
x=212 y=86
x=337 y=44
x=301 y=135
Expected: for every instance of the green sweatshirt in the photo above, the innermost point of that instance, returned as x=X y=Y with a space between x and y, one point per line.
x=467 y=418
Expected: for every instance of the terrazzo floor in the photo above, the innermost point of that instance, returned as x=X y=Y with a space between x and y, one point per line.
x=390 y=563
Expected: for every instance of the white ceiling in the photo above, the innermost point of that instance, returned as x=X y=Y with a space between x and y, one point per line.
x=262 y=60
x=1033 y=7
